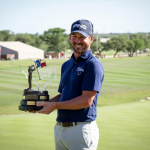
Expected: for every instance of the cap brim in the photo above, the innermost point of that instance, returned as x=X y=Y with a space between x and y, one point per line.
x=81 y=32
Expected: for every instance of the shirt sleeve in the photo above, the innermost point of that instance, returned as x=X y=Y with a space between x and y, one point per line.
x=93 y=77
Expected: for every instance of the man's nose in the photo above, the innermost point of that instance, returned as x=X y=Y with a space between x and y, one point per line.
x=78 y=40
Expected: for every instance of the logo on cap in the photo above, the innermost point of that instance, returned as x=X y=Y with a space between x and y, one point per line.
x=82 y=26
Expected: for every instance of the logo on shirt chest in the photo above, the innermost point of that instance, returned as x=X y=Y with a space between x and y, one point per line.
x=79 y=70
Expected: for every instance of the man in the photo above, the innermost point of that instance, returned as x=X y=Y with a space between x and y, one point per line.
x=81 y=80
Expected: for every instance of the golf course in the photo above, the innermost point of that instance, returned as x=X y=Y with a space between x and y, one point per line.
x=123 y=110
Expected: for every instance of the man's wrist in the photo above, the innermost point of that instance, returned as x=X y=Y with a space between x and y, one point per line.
x=57 y=105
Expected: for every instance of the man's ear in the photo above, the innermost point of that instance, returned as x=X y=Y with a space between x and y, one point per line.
x=92 y=38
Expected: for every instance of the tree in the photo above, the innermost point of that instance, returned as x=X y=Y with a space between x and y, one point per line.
x=25 y=38
x=139 y=44
x=134 y=36
x=116 y=43
x=30 y=39
x=140 y=40
x=146 y=41
x=130 y=47
x=35 y=40
x=56 y=39
x=6 y=35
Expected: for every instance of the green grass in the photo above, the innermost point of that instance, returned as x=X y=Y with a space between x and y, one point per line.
x=126 y=80
x=106 y=53
x=112 y=52
x=125 y=126
x=121 y=127
x=123 y=121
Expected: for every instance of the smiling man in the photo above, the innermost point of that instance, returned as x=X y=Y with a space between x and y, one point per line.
x=80 y=85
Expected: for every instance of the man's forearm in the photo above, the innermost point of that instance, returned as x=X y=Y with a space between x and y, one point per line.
x=83 y=101
x=74 y=104
x=56 y=98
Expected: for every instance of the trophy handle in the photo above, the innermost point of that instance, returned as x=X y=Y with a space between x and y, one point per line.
x=52 y=79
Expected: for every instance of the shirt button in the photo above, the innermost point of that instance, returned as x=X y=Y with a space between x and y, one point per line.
x=72 y=70
x=75 y=62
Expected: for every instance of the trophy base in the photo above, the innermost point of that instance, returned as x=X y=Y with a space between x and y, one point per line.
x=30 y=108
x=31 y=98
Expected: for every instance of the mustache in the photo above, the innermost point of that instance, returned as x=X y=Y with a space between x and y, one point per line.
x=78 y=44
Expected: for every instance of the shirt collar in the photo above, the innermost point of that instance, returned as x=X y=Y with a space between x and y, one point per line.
x=84 y=55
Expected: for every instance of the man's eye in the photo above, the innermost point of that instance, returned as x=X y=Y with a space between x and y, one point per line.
x=82 y=37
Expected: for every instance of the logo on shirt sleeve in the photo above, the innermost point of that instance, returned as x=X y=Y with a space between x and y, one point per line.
x=79 y=70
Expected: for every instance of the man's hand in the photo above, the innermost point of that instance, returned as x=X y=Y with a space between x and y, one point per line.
x=48 y=107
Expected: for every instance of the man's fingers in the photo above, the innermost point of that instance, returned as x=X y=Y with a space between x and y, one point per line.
x=40 y=104
x=30 y=111
x=48 y=107
x=41 y=111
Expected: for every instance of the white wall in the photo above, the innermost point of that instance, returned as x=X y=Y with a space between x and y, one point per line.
x=30 y=55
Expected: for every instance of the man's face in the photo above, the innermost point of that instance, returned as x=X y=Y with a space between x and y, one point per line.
x=80 y=44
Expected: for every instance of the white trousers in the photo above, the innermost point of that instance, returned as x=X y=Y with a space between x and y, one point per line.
x=83 y=136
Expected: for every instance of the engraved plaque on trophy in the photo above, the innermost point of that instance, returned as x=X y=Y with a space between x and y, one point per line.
x=31 y=97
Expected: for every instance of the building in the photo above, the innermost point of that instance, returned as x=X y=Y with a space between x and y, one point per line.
x=104 y=40
x=19 y=50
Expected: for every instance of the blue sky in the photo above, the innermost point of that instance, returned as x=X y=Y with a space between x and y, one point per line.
x=116 y=16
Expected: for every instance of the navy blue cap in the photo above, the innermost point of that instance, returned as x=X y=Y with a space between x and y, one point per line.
x=83 y=27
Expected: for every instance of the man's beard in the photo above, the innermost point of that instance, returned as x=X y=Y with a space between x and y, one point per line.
x=84 y=49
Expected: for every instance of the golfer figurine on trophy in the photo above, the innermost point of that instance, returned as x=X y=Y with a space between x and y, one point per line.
x=32 y=97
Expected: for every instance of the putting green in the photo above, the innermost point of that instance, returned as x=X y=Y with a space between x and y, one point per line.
x=121 y=127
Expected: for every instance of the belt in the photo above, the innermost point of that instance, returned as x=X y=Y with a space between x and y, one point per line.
x=70 y=124
x=67 y=124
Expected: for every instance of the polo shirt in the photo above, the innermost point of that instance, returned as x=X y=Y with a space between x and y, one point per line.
x=84 y=74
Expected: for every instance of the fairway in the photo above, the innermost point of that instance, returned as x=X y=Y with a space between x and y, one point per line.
x=123 y=120
x=126 y=80
x=121 y=127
